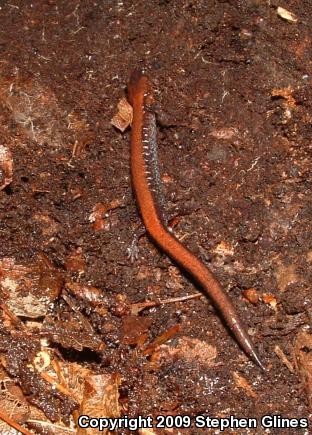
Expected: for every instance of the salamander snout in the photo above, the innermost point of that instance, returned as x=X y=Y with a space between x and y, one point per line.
x=138 y=83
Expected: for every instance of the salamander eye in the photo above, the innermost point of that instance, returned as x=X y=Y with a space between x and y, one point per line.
x=136 y=75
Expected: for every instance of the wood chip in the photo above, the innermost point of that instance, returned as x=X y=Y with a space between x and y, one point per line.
x=6 y=167
x=98 y=217
x=251 y=295
x=286 y=15
x=270 y=300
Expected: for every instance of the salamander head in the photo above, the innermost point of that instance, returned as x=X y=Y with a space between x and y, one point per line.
x=138 y=84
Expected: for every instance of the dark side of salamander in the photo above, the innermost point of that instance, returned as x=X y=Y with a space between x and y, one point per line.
x=148 y=140
x=147 y=186
x=150 y=156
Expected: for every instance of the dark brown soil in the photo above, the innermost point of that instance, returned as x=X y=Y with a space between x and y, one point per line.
x=232 y=81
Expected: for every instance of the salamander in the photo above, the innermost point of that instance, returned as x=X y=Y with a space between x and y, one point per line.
x=147 y=185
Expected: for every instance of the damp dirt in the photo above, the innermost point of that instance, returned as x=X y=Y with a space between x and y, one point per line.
x=232 y=83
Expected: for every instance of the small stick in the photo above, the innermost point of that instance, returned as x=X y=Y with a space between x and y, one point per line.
x=58 y=386
x=284 y=358
x=136 y=308
x=171 y=332
x=8 y=420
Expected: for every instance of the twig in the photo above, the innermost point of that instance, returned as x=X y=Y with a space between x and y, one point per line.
x=62 y=389
x=12 y=316
x=284 y=359
x=8 y=420
x=171 y=332
x=136 y=308
x=54 y=426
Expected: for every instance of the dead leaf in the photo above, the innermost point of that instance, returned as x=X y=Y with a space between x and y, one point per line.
x=49 y=227
x=73 y=331
x=123 y=117
x=31 y=288
x=71 y=377
x=224 y=133
x=191 y=350
x=87 y=293
x=35 y=109
x=285 y=275
x=303 y=355
x=75 y=261
x=6 y=167
x=224 y=249
x=100 y=399
x=242 y=383
x=286 y=94
x=134 y=327
x=12 y=402
x=146 y=432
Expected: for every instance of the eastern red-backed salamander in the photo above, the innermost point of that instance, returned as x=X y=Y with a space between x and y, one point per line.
x=146 y=183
